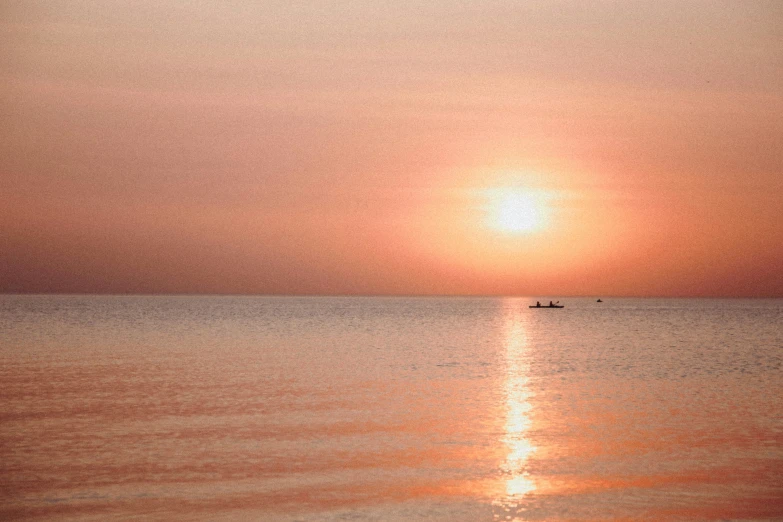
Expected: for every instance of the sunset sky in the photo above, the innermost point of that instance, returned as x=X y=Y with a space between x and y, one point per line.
x=413 y=147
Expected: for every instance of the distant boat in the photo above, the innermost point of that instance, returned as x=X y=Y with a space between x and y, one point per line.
x=539 y=305
x=599 y=301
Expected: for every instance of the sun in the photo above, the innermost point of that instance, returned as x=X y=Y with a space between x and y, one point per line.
x=515 y=211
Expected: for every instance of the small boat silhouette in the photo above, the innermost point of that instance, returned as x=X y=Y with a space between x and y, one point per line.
x=550 y=305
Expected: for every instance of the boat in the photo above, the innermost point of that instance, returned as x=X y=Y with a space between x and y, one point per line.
x=546 y=306
x=599 y=301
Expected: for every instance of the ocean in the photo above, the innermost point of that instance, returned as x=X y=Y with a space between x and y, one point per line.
x=390 y=408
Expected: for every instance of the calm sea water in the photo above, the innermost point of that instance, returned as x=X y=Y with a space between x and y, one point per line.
x=458 y=409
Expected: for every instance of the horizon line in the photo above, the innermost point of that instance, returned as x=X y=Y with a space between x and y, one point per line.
x=370 y=295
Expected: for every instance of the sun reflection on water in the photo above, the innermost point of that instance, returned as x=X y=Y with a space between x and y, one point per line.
x=516 y=477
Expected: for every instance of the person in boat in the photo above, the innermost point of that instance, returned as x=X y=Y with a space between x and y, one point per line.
x=551 y=303
x=538 y=304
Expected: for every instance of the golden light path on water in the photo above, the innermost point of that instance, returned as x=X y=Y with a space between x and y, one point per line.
x=517 y=480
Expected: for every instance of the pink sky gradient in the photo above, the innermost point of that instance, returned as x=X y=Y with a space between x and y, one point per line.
x=344 y=147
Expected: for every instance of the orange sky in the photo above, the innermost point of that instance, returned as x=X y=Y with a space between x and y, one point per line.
x=350 y=147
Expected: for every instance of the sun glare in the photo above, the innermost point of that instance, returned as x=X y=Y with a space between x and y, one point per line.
x=515 y=212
